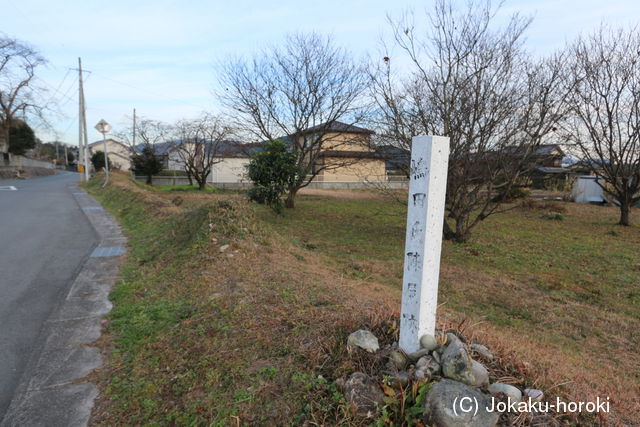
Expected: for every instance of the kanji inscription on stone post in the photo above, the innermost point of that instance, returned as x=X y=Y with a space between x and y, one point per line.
x=425 y=216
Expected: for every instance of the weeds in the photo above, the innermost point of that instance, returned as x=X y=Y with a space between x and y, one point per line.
x=554 y=216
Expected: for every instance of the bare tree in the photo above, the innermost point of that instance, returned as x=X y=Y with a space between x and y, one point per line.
x=605 y=120
x=198 y=143
x=148 y=133
x=475 y=85
x=145 y=155
x=298 y=92
x=18 y=64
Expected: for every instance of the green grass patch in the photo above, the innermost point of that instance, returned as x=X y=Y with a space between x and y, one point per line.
x=198 y=338
x=572 y=283
x=187 y=188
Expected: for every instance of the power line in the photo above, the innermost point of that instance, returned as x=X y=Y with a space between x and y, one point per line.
x=151 y=92
x=56 y=90
x=66 y=94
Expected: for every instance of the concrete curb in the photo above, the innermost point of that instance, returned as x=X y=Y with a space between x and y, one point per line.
x=51 y=392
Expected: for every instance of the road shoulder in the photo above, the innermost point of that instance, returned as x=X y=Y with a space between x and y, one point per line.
x=51 y=392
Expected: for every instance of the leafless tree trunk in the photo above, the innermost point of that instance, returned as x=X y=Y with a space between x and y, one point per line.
x=605 y=120
x=18 y=63
x=306 y=83
x=148 y=133
x=475 y=85
x=198 y=145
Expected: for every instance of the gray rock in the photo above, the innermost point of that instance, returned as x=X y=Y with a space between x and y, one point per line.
x=451 y=337
x=364 y=395
x=363 y=339
x=513 y=393
x=480 y=374
x=456 y=363
x=421 y=374
x=483 y=352
x=397 y=360
x=453 y=404
x=533 y=394
x=418 y=354
x=423 y=361
x=429 y=342
x=437 y=356
x=429 y=365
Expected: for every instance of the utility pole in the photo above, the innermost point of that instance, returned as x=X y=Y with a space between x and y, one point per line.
x=133 y=149
x=66 y=157
x=81 y=159
x=83 y=143
x=86 y=140
x=134 y=129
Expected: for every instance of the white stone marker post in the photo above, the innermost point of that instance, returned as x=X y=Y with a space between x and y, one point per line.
x=425 y=216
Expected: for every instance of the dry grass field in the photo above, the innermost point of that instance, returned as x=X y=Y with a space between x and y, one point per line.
x=254 y=332
x=564 y=295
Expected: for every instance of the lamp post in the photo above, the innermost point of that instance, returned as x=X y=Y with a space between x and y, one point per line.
x=103 y=127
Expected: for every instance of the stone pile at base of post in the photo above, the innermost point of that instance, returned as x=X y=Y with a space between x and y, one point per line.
x=456 y=381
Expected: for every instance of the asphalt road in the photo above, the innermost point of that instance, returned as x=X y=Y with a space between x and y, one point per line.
x=44 y=238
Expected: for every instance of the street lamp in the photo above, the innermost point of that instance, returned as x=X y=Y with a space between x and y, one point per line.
x=103 y=127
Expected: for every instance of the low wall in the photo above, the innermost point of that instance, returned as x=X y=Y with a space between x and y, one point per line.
x=12 y=166
x=25 y=162
x=181 y=180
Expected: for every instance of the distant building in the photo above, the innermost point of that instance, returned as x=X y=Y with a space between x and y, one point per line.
x=397 y=160
x=346 y=154
x=588 y=189
x=119 y=153
x=544 y=165
x=232 y=157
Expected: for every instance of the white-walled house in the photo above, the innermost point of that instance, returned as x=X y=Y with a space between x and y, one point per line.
x=232 y=157
x=119 y=153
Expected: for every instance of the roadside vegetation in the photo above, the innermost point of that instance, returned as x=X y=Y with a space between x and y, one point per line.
x=216 y=321
x=561 y=294
x=255 y=332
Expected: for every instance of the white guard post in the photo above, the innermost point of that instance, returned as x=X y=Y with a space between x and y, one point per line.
x=423 y=244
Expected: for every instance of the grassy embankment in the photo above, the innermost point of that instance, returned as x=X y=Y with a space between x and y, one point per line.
x=563 y=295
x=197 y=337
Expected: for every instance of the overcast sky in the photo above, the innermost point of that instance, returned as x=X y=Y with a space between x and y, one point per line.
x=158 y=57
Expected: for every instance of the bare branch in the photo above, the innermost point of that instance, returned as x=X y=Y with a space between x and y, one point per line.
x=475 y=84
x=18 y=92
x=281 y=93
x=604 y=82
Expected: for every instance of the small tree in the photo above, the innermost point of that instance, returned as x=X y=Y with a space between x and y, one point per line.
x=18 y=85
x=147 y=163
x=273 y=171
x=472 y=81
x=307 y=83
x=198 y=144
x=97 y=160
x=147 y=133
x=21 y=139
x=605 y=120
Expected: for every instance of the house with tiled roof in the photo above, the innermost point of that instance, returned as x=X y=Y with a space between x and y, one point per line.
x=346 y=154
